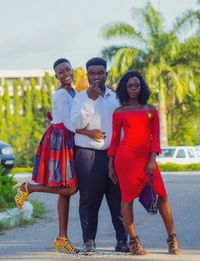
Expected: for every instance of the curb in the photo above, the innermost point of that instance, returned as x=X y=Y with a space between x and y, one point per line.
x=179 y=173
x=14 y=215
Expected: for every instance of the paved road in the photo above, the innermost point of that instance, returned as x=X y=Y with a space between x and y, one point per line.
x=35 y=242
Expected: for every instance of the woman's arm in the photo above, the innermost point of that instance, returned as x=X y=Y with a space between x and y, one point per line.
x=151 y=166
x=116 y=135
x=111 y=170
x=155 y=142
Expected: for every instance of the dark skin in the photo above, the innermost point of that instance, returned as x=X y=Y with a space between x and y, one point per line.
x=96 y=77
x=133 y=88
x=64 y=73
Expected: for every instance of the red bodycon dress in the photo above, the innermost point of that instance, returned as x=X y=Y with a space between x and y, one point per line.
x=131 y=154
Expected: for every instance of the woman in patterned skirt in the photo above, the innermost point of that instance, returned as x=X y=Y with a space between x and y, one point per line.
x=54 y=169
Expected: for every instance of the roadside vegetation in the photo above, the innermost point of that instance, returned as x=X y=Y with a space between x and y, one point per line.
x=7 y=201
x=163 y=167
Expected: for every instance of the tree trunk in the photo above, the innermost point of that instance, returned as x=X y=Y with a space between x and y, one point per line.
x=163 y=117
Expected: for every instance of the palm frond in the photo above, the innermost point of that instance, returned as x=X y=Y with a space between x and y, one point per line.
x=124 y=61
x=189 y=53
x=152 y=19
x=186 y=21
x=109 y=53
x=120 y=30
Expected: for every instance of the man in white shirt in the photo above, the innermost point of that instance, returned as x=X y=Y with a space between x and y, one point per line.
x=92 y=109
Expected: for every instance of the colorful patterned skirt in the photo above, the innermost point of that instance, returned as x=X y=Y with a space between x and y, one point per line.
x=54 y=161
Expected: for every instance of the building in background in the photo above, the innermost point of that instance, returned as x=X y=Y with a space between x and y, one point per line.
x=24 y=76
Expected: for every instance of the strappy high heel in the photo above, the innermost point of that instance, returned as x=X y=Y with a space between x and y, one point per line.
x=136 y=247
x=173 y=246
x=66 y=245
x=21 y=195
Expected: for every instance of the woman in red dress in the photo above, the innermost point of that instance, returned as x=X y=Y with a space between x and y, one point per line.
x=135 y=156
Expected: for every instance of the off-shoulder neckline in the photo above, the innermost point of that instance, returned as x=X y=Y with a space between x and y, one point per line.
x=136 y=111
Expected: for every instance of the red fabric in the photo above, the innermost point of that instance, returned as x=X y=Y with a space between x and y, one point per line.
x=49 y=116
x=131 y=155
x=54 y=161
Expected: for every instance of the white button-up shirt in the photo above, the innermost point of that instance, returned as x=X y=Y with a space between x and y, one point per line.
x=61 y=106
x=93 y=114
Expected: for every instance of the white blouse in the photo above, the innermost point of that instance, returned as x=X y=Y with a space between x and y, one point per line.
x=61 y=107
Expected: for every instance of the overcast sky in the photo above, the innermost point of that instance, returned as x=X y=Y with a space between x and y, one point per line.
x=33 y=33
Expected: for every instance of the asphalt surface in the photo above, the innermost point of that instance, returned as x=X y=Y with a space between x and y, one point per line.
x=35 y=242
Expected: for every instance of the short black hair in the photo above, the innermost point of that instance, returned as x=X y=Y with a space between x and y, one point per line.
x=96 y=61
x=121 y=90
x=60 y=60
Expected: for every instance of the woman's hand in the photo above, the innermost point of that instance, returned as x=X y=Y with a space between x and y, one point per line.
x=111 y=170
x=112 y=175
x=151 y=166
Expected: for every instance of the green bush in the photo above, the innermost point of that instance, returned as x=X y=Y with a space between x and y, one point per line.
x=7 y=193
x=178 y=167
x=39 y=209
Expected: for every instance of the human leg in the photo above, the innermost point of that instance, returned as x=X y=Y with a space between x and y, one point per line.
x=63 y=215
x=91 y=187
x=167 y=216
x=127 y=213
x=26 y=188
x=136 y=247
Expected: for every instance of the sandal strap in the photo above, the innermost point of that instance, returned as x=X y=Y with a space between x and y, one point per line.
x=62 y=238
x=26 y=187
x=67 y=246
x=136 y=247
x=21 y=195
x=173 y=246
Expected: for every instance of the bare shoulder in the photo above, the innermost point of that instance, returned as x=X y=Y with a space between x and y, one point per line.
x=119 y=109
x=151 y=107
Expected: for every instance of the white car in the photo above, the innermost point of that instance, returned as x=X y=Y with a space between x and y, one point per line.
x=178 y=155
x=197 y=148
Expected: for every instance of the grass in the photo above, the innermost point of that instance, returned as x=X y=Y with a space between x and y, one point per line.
x=39 y=211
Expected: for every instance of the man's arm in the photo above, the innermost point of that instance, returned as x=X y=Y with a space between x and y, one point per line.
x=82 y=112
x=83 y=107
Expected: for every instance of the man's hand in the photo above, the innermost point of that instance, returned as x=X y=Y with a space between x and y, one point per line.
x=94 y=134
x=94 y=90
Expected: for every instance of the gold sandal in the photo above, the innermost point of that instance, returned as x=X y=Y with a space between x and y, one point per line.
x=66 y=245
x=21 y=195
x=173 y=246
x=136 y=247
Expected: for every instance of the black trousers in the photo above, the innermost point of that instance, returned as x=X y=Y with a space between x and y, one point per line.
x=92 y=171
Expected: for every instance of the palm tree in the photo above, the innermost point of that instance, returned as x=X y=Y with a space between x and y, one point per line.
x=155 y=52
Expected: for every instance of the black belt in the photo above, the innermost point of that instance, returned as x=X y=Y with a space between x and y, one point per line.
x=79 y=147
